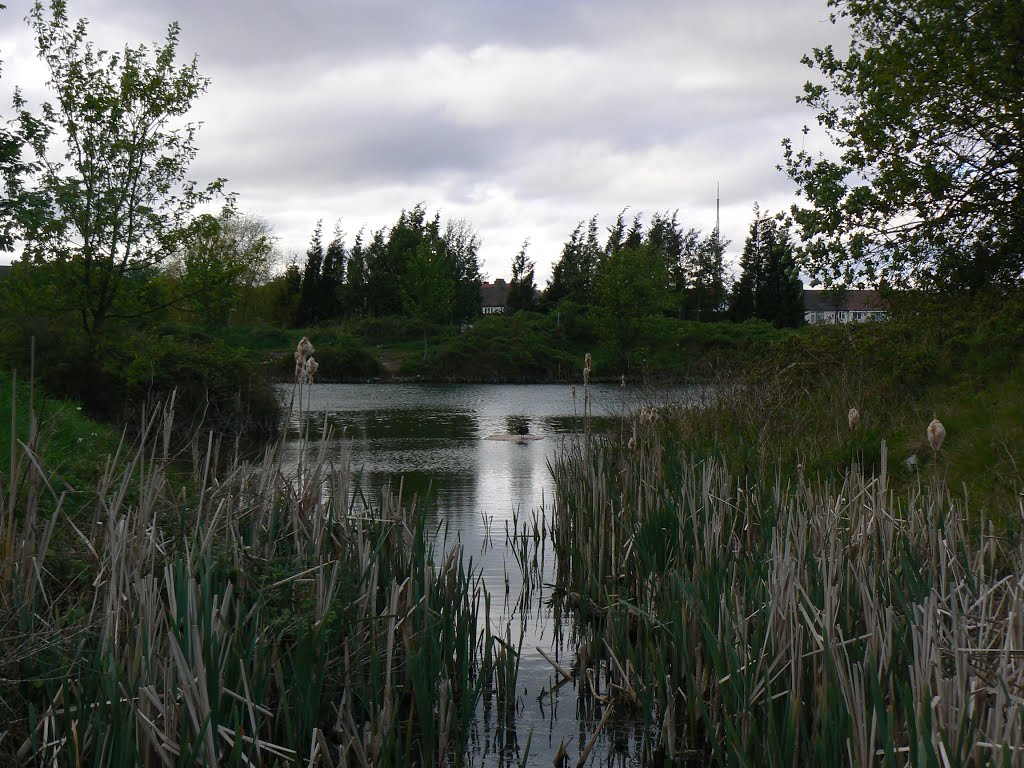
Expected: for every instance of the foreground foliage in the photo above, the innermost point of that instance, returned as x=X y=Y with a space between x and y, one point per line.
x=924 y=111
x=758 y=622
x=260 y=615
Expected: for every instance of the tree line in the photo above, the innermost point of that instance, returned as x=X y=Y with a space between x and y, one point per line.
x=424 y=268
x=923 y=192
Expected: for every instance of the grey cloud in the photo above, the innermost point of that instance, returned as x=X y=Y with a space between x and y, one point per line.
x=522 y=117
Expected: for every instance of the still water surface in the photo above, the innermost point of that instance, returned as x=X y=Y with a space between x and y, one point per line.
x=433 y=440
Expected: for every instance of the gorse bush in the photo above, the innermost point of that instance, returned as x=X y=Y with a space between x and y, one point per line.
x=217 y=387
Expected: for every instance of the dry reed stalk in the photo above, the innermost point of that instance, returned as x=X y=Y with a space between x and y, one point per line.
x=837 y=598
x=188 y=629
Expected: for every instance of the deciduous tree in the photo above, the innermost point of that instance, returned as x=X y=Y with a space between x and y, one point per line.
x=106 y=197
x=222 y=261
x=926 y=114
x=630 y=291
x=429 y=290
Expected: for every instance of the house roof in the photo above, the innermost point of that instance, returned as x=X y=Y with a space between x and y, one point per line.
x=494 y=294
x=850 y=301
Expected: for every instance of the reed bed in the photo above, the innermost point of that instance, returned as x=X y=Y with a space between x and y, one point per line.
x=754 y=622
x=248 y=616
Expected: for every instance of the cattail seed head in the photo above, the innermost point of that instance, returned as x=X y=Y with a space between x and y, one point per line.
x=311 y=367
x=936 y=434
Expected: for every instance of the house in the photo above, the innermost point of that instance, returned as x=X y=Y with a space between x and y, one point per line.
x=843 y=306
x=4 y=270
x=494 y=297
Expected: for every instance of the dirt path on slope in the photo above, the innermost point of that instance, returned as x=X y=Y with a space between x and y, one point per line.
x=390 y=363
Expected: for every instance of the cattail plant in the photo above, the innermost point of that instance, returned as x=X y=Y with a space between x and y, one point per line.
x=586 y=398
x=252 y=615
x=311 y=368
x=936 y=434
x=761 y=623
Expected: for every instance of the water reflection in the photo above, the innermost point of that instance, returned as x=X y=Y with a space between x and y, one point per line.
x=437 y=443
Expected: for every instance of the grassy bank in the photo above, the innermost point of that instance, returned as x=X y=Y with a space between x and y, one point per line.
x=525 y=347
x=76 y=445
x=787 y=410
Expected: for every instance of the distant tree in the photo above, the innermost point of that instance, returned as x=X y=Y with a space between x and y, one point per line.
x=310 y=310
x=706 y=296
x=925 y=114
x=221 y=262
x=522 y=291
x=119 y=203
x=743 y=302
x=678 y=248
x=354 y=301
x=781 y=300
x=286 y=295
x=254 y=242
x=572 y=276
x=630 y=293
x=769 y=286
x=388 y=258
x=462 y=246
x=383 y=284
x=332 y=275
x=429 y=290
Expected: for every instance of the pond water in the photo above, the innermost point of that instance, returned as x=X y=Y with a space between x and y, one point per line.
x=438 y=442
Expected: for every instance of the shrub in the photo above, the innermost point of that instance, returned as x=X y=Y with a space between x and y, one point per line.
x=341 y=358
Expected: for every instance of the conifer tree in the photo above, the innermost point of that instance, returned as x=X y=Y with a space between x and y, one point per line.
x=462 y=245
x=707 y=296
x=572 y=276
x=354 y=300
x=332 y=275
x=309 y=305
x=769 y=286
x=522 y=290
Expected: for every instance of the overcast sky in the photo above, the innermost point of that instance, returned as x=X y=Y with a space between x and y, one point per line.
x=520 y=116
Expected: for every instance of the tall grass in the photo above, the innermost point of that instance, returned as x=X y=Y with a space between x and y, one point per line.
x=247 y=616
x=759 y=622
